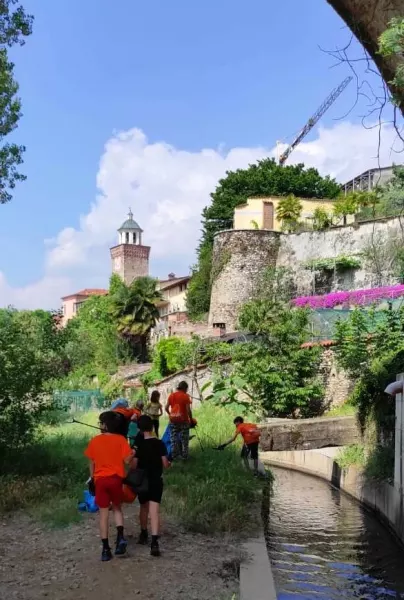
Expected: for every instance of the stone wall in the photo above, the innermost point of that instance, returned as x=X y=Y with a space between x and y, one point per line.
x=307 y=434
x=239 y=257
x=195 y=379
x=298 y=249
x=338 y=386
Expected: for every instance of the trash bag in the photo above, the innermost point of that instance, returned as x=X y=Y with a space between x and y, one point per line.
x=167 y=440
x=89 y=504
x=129 y=495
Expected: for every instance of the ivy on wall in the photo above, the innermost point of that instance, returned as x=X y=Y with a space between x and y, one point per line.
x=219 y=264
x=330 y=264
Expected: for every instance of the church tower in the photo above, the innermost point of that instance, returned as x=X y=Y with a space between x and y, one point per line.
x=130 y=259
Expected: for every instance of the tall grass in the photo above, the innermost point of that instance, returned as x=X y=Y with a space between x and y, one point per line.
x=210 y=493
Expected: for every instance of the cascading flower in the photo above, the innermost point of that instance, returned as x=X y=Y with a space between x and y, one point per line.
x=353 y=298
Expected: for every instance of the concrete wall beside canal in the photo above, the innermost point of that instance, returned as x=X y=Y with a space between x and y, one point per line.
x=383 y=498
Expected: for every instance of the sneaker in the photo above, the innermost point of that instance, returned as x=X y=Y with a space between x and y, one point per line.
x=155 y=549
x=106 y=554
x=143 y=538
x=120 y=548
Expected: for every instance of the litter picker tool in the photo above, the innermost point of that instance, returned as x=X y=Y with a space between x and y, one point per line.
x=93 y=426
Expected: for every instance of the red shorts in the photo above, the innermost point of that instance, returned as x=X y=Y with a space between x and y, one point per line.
x=108 y=490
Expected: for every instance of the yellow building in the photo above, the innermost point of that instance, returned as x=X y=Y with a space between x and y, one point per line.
x=260 y=213
x=172 y=307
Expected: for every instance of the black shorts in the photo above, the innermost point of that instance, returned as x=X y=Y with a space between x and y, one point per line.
x=154 y=493
x=250 y=451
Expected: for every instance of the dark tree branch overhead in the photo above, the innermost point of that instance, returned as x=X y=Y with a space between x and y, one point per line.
x=368 y=19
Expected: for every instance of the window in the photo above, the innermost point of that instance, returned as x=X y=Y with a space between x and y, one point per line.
x=134 y=238
x=127 y=237
x=77 y=306
x=183 y=287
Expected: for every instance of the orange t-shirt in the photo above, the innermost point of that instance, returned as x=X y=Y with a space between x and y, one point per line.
x=126 y=412
x=108 y=452
x=179 y=401
x=249 y=432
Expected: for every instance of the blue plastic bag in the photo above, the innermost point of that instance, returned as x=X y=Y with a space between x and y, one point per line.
x=167 y=440
x=89 y=504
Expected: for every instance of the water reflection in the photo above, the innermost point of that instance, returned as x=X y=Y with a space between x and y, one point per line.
x=323 y=545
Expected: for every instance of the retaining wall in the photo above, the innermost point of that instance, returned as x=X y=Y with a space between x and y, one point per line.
x=385 y=499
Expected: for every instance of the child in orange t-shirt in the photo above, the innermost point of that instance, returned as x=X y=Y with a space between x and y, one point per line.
x=251 y=436
x=109 y=453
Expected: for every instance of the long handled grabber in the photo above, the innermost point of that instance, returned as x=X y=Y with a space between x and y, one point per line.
x=86 y=424
x=129 y=437
x=199 y=440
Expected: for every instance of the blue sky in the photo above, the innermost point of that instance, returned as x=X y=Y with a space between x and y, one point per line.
x=194 y=75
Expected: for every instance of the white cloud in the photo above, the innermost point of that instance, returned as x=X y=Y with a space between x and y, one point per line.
x=167 y=189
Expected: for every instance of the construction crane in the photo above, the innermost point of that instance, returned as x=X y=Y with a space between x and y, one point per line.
x=315 y=118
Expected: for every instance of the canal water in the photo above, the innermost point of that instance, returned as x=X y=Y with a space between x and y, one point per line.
x=324 y=546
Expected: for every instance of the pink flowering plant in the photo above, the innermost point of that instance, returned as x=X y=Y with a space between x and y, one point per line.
x=353 y=298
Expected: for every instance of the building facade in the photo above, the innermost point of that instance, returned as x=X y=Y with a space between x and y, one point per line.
x=130 y=259
x=71 y=304
x=261 y=213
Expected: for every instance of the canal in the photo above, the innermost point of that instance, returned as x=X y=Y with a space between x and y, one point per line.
x=323 y=545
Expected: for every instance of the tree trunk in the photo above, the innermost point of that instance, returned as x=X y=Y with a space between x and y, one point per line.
x=368 y=19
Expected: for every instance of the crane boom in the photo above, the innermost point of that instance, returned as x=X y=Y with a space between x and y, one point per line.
x=315 y=118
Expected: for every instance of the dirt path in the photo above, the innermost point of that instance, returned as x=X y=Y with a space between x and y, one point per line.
x=65 y=564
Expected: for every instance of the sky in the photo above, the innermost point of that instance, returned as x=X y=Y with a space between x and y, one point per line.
x=146 y=105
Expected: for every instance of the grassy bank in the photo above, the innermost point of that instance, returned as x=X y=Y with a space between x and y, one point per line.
x=210 y=493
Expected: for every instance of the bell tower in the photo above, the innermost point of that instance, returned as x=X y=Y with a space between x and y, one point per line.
x=130 y=259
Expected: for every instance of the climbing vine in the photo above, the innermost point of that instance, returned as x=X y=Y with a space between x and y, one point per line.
x=220 y=264
x=338 y=262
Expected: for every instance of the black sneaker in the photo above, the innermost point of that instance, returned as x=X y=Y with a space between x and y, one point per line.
x=143 y=538
x=155 y=549
x=106 y=554
x=120 y=548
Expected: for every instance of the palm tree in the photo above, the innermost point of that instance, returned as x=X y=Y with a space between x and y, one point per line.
x=289 y=211
x=135 y=309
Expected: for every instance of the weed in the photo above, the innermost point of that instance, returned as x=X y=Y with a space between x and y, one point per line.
x=345 y=410
x=350 y=456
x=210 y=493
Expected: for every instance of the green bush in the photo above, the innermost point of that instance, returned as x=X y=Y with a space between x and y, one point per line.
x=167 y=355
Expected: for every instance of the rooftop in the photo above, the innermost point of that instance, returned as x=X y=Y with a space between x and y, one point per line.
x=87 y=292
x=165 y=284
x=130 y=223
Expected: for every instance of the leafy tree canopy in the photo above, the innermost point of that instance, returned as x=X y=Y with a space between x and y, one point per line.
x=134 y=309
x=265 y=178
x=15 y=26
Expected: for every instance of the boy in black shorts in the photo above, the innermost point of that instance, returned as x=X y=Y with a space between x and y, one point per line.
x=251 y=437
x=151 y=455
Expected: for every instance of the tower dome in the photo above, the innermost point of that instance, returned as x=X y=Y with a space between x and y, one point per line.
x=130 y=232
